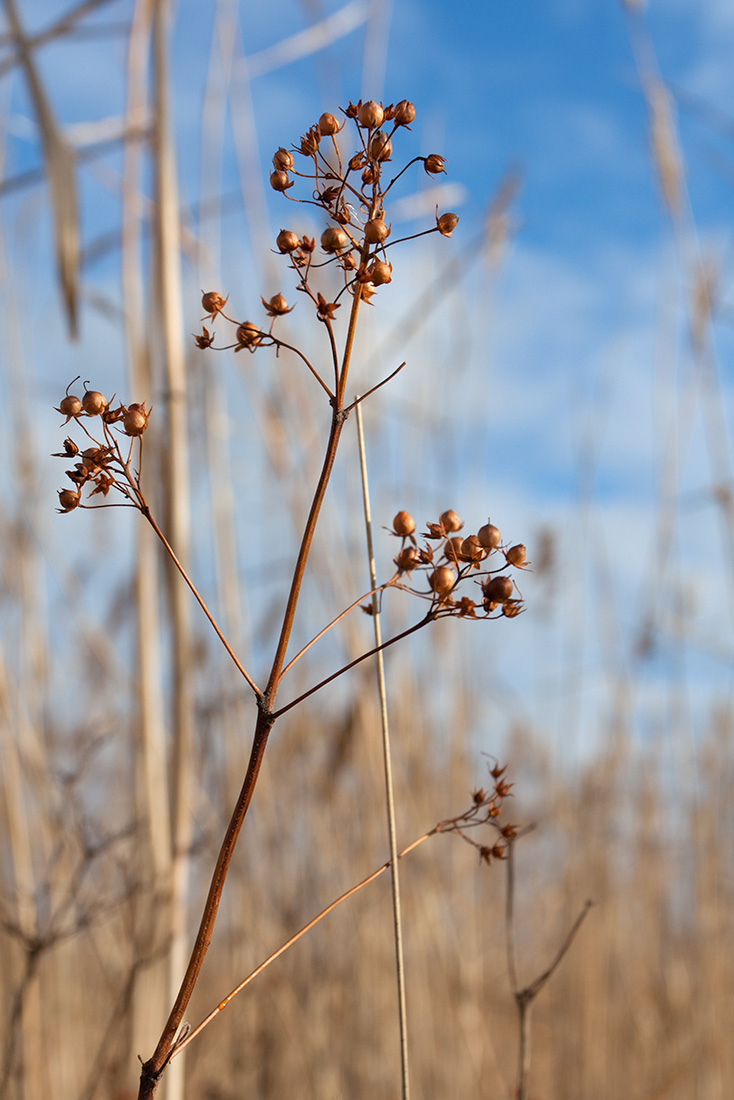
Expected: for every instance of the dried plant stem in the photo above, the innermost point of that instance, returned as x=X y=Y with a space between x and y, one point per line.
x=387 y=757
x=525 y=996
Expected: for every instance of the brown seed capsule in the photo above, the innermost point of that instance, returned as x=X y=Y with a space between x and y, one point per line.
x=442 y=580
x=447 y=223
x=489 y=536
x=452 y=549
x=276 y=306
x=212 y=302
x=408 y=559
x=381 y=146
x=380 y=273
x=286 y=240
x=69 y=499
x=70 y=406
x=516 y=555
x=248 y=335
x=472 y=549
x=94 y=402
x=403 y=524
x=279 y=181
x=434 y=164
x=376 y=231
x=404 y=113
x=135 y=420
x=511 y=608
x=334 y=239
x=370 y=114
x=283 y=160
x=328 y=124
x=451 y=521
x=498 y=589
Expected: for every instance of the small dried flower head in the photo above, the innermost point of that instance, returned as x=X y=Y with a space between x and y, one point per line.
x=93 y=402
x=516 y=556
x=370 y=174
x=442 y=580
x=434 y=164
x=283 y=160
x=279 y=180
x=408 y=559
x=205 y=340
x=212 y=303
x=277 y=306
x=376 y=231
x=135 y=419
x=70 y=407
x=310 y=142
x=70 y=449
x=380 y=273
x=497 y=589
x=472 y=549
x=403 y=524
x=446 y=223
x=381 y=146
x=334 y=239
x=404 y=113
x=328 y=124
x=69 y=499
x=349 y=263
x=248 y=336
x=286 y=240
x=451 y=521
x=489 y=536
x=511 y=608
x=370 y=114
x=452 y=549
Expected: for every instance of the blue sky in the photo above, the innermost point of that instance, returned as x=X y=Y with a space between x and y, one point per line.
x=575 y=347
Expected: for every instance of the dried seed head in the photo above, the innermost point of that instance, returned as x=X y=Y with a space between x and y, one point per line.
x=404 y=113
x=380 y=273
x=279 y=180
x=516 y=555
x=370 y=114
x=452 y=549
x=94 y=402
x=248 y=335
x=498 y=589
x=334 y=239
x=376 y=231
x=472 y=549
x=370 y=174
x=283 y=160
x=277 y=306
x=212 y=302
x=451 y=521
x=489 y=536
x=403 y=524
x=511 y=608
x=69 y=406
x=135 y=419
x=381 y=146
x=69 y=499
x=434 y=164
x=446 y=223
x=286 y=240
x=408 y=559
x=442 y=580
x=328 y=124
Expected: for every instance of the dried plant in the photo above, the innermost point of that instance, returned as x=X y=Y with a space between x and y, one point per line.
x=450 y=574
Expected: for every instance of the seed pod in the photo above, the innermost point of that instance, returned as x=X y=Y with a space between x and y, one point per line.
x=376 y=231
x=472 y=549
x=286 y=240
x=328 y=124
x=497 y=589
x=404 y=113
x=452 y=549
x=403 y=524
x=135 y=420
x=370 y=114
x=511 y=608
x=489 y=536
x=442 y=580
x=69 y=499
x=381 y=146
x=380 y=273
x=447 y=223
x=408 y=559
x=212 y=302
x=276 y=306
x=334 y=239
x=516 y=555
x=451 y=521
x=283 y=160
x=434 y=164
x=279 y=180
x=94 y=402
x=248 y=335
x=70 y=406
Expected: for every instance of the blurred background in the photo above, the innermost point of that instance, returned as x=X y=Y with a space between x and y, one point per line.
x=568 y=375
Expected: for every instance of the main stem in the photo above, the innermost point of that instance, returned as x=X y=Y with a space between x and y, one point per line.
x=152 y=1069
